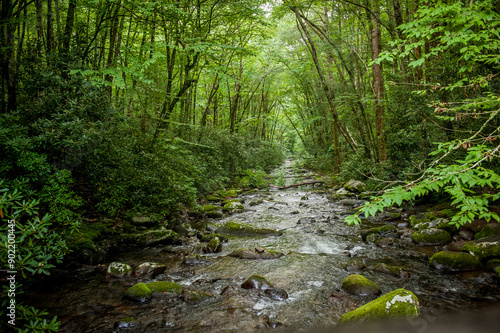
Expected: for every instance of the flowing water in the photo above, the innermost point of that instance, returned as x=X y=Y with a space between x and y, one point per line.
x=311 y=271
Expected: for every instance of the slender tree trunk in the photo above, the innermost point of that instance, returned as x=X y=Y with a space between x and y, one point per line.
x=8 y=101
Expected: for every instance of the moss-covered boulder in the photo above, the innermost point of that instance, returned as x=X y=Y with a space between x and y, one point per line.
x=355 y=186
x=413 y=220
x=492 y=265
x=256 y=253
x=341 y=194
x=208 y=237
x=213 y=214
x=155 y=237
x=245 y=229
x=139 y=292
x=208 y=208
x=118 y=270
x=233 y=206
x=214 y=246
x=360 y=286
x=276 y=294
x=399 y=303
x=384 y=230
x=455 y=261
x=396 y=271
x=257 y=282
x=165 y=288
x=484 y=247
x=490 y=229
x=431 y=236
x=192 y=297
x=439 y=223
x=196 y=259
x=213 y=198
x=143 y=221
x=355 y=265
x=151 y=269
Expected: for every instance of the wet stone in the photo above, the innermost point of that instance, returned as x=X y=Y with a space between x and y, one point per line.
x=360 y=286
x=306 y=220
x=196 y=260
x=257 y=282
x=139 y=292
x=455 y=261
x=355 y=265
x=150 y=269
x=118 y=270
x=431 y=236
x=484 y=247
x=256 y=253
x=165 y=288
x=126 y=324
x=395 y=271
x=276 y=294
x=245 y=229
x=194 y=297
x=490 y=229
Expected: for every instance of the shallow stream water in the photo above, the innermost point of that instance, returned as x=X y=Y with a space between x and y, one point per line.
x=311 y=272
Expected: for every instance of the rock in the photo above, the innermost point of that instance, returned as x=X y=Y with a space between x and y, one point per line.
x=196 y=260
x=455 y=261
x=295 y=212
x=150 y=269
x=396 y=271
x=257 y=282
x=214 y=214
x=194 y=297
x=443 y=224
x=161 y=236
x=341 y=194
x=139 y=292
x=493 y=265
x=209 y=237
x=255 y=253
x=244 y=229
x=384 y=230
x=399 y=303
x=384 y=242
x=214 y=246
x=355 y=186
x=143 y=221
x=126 y=324
x=208 y=208
x=431 y=236
x=276 y=294
x=118 y=270
x=306 y=220
x=361 y=286
x=165 y=288
x=490 y=229
x=256 y=202
x=233 y=206
x=466 y=234
x=352 y=202
x=475 y=226
x=212 y=198
x=455 y=246
x=484 y=247
x=355 y=265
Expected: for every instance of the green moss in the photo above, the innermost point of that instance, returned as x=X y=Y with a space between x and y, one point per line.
x=209 y=237
x=377 y=230
x=490 y=229
x=233 y=205
x=244 y=229
x=207 y=208
x=431 y=236
x=396 y=271
x=492 y=265
x=484 y=247
x=213 y=198
x=117 y=269
x=139 y=292
x=455 y=261
x=447 y=213
x=399 y=303
x=412 y=219
x=194 y=297
x=169 y=289
x=214 y=246
x=359 y=285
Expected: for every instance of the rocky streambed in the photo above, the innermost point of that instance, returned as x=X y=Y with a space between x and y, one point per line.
x=274 y=259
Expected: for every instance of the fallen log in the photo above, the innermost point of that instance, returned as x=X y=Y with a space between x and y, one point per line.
x=299 y=184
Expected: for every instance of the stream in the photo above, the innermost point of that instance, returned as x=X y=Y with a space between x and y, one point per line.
x=311 y=272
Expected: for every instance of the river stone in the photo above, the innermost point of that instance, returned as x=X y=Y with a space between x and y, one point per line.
x=207 y=238
x=194 y=297
x=361 y=286
x=443 y=224
x=276 y=294
x=455 y=261
x=355 y=265
x=255 y=253
x=245 y=229
x=214 y=214
x=490 y=229
x=143 y=221
x=214 y=246
x=396 y=271
x=341 y=194
x=399 y=303
x=161 y=236
x=118 y=270
x=257 y=282
x=150 y=269
x=196 y=260
x=233 y=206
x=484 y=247
x=208 y=208
x=165 y=288
x=355 y=186
x=492 y=265
x=384 y=230
x=127 y=323
x=139 y=292
x=431 y=236
x=466 y=234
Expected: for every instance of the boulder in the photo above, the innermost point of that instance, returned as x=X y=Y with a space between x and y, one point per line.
x=255 y=253
x=207 y=238
x=276 y=294
x=396 y=271
x=355 y=186
x=208 y=208
x=214 y=246
x=341 y=194
x=484 y=247
x=194 y=297
x=355 y=265
x=257 y=282
x=490 y=229
x=361 y=286
x=233 y=206
x=245 y=229
x=431 y=236
x=214 y=214
x=160 y=236
x=384 y=230
x=440 y=223
x=143 y=221
x=118 y=270
x=139 y=292
x=165 y=288
x=399 y=303
x=196 y=259
x=455 y=261
x=150 y=269
x=493 y=265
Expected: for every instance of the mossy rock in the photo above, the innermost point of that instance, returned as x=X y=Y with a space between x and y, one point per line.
x=490 y=229
x=256 y=253
x=447 y=213
x=396 y=271
x=118 y=270
x=139 y=292
x=355 y=186
x=214 y=246
x=412 y=219
x=256 y=202
x=431 y=236
x=355 y=265
x=233 y=206
x=341 y=194
x=214 y=214
x=208 y=208
x=213 y=198
x=150 y=269
x=359 y=285
x=209 y=237
x=194 y=297
x=440 y=223
x=165 y=288
x=455 y=261
x=257 y=282
x=498 y=272
x=484 y=247
x=492 y=265
x=244 y=229
x=143 y=221
x=399 y=303
x=386 y=229
x=196 y=259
